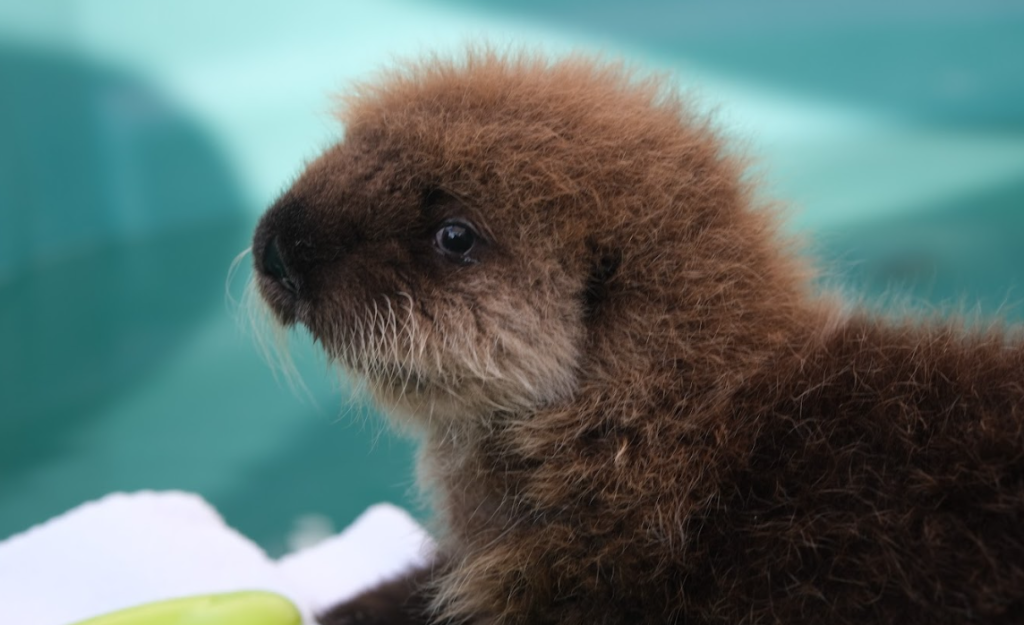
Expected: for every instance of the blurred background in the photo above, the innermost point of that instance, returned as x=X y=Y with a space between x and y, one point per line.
x=140 y=141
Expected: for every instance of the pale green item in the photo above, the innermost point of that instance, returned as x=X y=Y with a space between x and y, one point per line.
x=237 y=608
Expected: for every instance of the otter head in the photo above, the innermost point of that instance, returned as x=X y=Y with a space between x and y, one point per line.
x=461 y=246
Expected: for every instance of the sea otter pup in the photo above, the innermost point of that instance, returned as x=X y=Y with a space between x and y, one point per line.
x=633 y=408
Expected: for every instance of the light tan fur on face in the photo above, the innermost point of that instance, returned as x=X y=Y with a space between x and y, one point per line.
x=459 y=363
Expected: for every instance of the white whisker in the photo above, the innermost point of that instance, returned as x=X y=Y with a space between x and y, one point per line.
x=270 y=337
x=229 y=299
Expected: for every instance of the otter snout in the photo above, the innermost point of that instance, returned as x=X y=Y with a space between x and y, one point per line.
x=275 y=267
x=283 y=257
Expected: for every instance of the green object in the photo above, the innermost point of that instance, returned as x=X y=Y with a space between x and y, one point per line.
x=237 y=608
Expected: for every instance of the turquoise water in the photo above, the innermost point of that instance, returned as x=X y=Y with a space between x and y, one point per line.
x=139 y=143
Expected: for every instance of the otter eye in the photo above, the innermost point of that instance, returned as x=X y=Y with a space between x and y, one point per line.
x=455 y=240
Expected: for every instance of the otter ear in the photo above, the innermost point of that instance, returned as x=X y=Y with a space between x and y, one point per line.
x=603 y=265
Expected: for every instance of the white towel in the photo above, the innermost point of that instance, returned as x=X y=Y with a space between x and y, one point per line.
x=129 y=549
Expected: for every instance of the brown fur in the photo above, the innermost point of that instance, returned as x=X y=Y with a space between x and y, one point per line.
x=398 y=601
x=633 y=409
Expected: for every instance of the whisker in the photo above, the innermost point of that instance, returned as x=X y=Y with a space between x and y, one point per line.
x=229 y=299
x=271 y=339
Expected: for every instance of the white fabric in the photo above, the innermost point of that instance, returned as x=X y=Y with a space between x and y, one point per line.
x=128 y=549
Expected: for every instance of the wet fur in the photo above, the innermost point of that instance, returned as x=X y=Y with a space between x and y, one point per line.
x=633 y=408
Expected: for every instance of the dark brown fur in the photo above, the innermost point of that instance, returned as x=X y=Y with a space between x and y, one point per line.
x=633 y=409
x=400 y=601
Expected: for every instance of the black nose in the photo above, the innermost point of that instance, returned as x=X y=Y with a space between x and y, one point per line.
x=275 y=267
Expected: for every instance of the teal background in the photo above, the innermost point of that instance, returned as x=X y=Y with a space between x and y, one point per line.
x=139 y=142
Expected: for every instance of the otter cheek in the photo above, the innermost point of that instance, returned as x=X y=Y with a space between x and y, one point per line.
x=553 y=366
x=537 y=357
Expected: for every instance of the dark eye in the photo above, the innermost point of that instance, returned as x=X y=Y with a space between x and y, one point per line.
x=455 y=239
